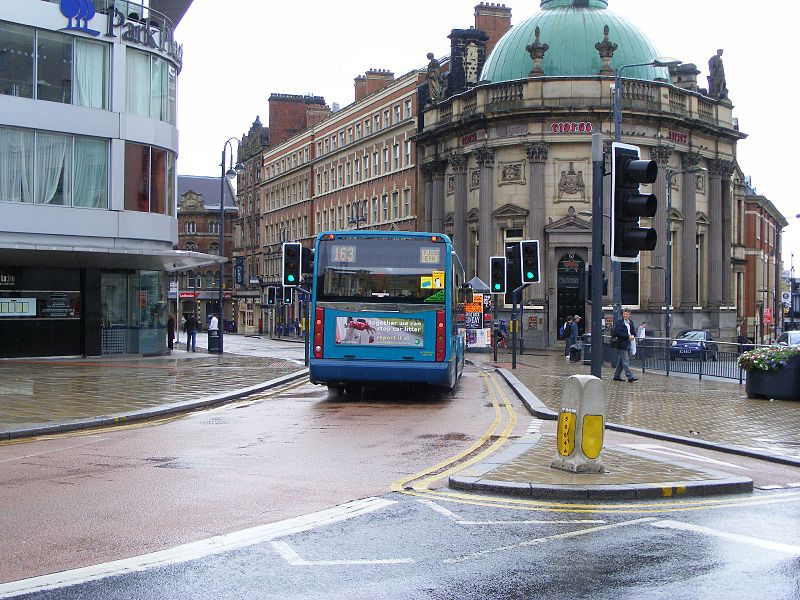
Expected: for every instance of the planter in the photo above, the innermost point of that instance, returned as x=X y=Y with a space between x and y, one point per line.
x=780 y=384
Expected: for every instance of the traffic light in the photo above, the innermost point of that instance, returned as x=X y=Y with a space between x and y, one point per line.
x=497 y=274
x=529 y=249
x=292 y=263
x=271 y=296
x=628 y=204
x=287 y=293
x=308 y=260
x=588 y=284
x=513 y=266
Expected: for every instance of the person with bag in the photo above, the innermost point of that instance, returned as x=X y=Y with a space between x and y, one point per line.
x=566 y=333
x=574 y=335
x=623 y=335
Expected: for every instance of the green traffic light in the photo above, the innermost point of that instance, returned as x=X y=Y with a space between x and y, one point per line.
x=529 y=275
x=290 y=278
x=497 y=286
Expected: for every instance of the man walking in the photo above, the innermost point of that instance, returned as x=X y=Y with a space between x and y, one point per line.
x=624 y=334
x=191 y=332
x=573 y=337
x=567 y=333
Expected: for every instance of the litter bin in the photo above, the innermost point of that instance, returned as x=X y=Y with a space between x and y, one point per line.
x=213 y=341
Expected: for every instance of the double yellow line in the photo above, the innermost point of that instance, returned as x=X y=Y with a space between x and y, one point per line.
x=420 y=483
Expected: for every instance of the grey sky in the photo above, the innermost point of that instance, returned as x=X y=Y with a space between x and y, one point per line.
x=236 y=53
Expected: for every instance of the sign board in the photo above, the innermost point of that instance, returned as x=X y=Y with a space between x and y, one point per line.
x=768 y=315
x=384 y=331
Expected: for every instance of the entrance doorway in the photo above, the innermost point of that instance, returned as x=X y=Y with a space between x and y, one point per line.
x=571 y=292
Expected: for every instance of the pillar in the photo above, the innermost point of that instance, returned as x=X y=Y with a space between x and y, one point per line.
x=661 y=155
x=427 y=174
x=715 y=262
x=537 y=157
x=485 y=158
x=437 y=204
x=458 y=163
x=688 y=232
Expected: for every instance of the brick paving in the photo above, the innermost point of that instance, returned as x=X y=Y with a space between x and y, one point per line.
x=718 y=411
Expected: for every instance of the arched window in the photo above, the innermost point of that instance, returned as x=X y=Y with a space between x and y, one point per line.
x=213 y=248
x=209 y=279
x=190 y=247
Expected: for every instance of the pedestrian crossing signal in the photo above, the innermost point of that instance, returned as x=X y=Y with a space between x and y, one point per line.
x=292 y=263
x=288 y=295
x=271 y=296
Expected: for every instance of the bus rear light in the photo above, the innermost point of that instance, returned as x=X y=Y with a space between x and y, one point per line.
x=440 y=336
x=319 y=328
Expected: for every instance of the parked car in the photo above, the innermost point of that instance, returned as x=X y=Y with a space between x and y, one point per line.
x=694 y=343
x=788 y=338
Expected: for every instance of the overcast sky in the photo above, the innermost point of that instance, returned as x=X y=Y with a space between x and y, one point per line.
x=238 y=52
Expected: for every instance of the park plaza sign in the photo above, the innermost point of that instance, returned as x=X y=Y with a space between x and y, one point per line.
x=140 y=32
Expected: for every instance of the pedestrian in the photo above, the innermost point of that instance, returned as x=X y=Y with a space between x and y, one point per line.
x=574 y=333
x=502 y=334
x=213 y=325
x=191 y=332
x=623 y=335
x=170 y=331
x=641 y=334
x=566 y=334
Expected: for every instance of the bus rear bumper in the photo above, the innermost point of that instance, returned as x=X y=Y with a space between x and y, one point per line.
x=333 y=372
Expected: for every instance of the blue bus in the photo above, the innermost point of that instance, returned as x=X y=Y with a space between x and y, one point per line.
x=386 y=308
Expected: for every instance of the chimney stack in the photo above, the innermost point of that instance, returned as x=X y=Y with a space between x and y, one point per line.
x=494 y=20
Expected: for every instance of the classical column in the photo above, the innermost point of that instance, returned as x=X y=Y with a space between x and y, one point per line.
x=458 y=163
x=716 y=265
x=661 y=155
x=727 y=232
x=427 y=174
x=688 y=232
x=437 y=205
x=537 y=156
x=485 y=158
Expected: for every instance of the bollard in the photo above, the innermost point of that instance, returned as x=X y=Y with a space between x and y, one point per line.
x=581 y=424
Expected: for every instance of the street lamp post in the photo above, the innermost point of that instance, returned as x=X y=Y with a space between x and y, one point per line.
x=766 y=293
x=616 y=268
x=356 y=215
x=232 y=172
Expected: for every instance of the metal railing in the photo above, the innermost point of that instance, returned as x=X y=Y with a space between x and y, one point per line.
x=719 y=359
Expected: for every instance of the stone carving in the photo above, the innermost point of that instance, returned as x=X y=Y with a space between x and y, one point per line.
x=721 y=168
x=437 y=84
x=606 y=49
x=700 y=183
x=661 y=154
x=474 y=179
x=512 y=173
x=537 y=152
x=458 y=163
x=451 y=185
x=571 y=182
x=690 y=160
x=717 y=86
x=537 y=50
x=485 y=156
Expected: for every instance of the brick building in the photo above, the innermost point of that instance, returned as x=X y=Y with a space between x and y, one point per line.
x=198 y=231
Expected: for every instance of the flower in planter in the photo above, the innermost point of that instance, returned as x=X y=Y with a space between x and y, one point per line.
x=768 y=358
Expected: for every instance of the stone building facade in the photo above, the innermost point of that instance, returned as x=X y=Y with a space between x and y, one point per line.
x=510 y=158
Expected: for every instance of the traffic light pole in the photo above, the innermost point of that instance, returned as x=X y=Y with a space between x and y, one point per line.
x=598 y=171
x=516 y=294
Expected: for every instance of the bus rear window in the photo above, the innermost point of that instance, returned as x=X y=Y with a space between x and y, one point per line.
x=410 y=271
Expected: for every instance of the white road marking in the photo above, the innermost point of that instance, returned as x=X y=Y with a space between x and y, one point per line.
x=549 y=538
x=793 y=485
x=35 y=454
x=744 y=539
x=194 y=550
x=535 y=426
x=456 y=519
x=295 y=560
x=673 y=452
x=770 y=487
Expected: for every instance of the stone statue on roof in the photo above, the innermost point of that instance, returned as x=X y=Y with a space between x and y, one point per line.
x=437 y=84
x=717 y=87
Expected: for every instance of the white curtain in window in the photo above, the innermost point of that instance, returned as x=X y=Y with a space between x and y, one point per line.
x=138 y=83
x=90 y=73
x=91 y=173
x=16 y=165
x=158 y=87
x=53 y=169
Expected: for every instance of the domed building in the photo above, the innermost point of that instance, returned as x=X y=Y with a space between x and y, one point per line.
x=506 y=155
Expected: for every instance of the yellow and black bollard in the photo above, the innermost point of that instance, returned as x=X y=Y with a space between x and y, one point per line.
x=581 y=424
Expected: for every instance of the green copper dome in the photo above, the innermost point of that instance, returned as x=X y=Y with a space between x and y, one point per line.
x=571 y=28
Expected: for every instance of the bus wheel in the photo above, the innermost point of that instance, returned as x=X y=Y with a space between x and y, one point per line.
x=353 y=389
x=335 y=390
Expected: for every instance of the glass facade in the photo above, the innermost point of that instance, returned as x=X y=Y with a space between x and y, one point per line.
x=149 y=179
x=66 y=69
x=134 y=312
x=53 y=168
x=152 y=84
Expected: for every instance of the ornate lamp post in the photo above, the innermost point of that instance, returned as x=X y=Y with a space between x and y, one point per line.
x=232 y=172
